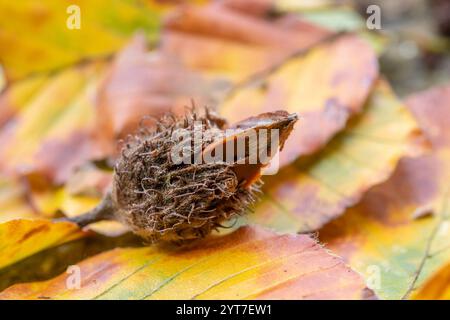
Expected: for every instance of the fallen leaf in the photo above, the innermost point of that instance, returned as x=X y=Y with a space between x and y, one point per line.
x=56 y=159
x=259 y=8
x=143 y=83
x=58 y=122
x=22 y=238
x=308 y=194
x=53 y=261
x=54 y=117
x=14 y=200
x=232 y=45
x=216 y=57
x=380 y=236
x=325 y=86
x=89 y=180
x=432 y=113
x=2 y=78
x=219 y=22
x=13 y=98
x=48 y=40
x=259 y=265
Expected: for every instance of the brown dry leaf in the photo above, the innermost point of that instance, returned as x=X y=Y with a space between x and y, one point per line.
x=89 y=180
x=398 y=235
x=325 y=86
x=258 y=265
x=382 y=238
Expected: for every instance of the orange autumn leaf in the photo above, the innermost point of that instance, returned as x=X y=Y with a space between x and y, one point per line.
x=258 y=265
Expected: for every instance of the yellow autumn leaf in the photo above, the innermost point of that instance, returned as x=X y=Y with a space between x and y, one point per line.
x=21 y=238
x=246 y=264
x=50 y=37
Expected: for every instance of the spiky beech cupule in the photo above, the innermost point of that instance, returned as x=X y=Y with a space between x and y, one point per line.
x=162 y=199
x=163 y=192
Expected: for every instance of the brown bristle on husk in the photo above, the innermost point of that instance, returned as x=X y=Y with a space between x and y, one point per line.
x=162 y=200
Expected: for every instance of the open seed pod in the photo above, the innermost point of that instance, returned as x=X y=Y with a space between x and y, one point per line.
x=191 y=174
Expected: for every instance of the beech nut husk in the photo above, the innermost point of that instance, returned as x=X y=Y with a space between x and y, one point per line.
x=161 y=198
